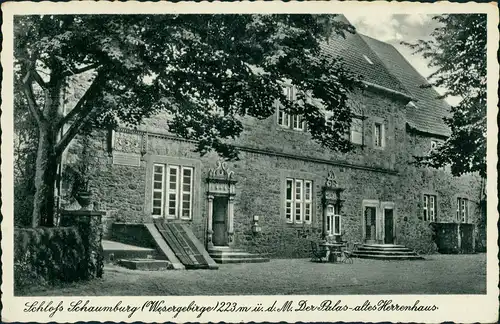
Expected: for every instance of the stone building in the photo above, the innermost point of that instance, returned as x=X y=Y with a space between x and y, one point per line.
x=286 y=189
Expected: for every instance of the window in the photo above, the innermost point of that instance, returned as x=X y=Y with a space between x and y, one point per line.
x=378 y=135
x=333 y=220
x=286 y=120
x=298 y=201
x=356 y=133
x=172 y=191
x=433 y=145
x=462 y=210
x=430 y=208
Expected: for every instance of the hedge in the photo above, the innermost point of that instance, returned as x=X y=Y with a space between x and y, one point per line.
x=47 y=255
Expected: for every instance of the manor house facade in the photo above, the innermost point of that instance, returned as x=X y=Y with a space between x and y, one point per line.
x=286 y=189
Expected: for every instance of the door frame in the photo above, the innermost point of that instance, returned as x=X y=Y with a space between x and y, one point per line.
x=370 y=203
x=388 y=205
x=225 y=199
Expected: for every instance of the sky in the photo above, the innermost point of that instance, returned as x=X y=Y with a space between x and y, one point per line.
x=394 y=28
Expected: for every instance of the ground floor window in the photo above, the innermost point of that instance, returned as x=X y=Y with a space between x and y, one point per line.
x=463 y=210
x=430 y=208
x=333 y=220
x=172 y=191
x=298 y=201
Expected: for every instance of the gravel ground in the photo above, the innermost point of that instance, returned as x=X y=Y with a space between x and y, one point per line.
x=438 y=274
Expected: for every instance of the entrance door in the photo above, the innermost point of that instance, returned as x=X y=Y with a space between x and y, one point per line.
x=389 y=226
x=219 y=219
x=370 y=224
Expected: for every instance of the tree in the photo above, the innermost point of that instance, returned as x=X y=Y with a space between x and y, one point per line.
x=457 y=51
x=204 y=70
x=25 y=139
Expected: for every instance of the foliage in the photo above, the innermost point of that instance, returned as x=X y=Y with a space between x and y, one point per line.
x=47 y=255
x=204 y=70
x=25 y=140
x=457 y=51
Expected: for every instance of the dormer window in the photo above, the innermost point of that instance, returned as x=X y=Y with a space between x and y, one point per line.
x=433 y=145
x=286 y=120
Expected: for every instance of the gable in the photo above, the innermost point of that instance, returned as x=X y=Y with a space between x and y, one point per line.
x=427 y=112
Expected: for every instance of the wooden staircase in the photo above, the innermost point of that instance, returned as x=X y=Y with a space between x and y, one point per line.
x=225 y=254
x=385 y=252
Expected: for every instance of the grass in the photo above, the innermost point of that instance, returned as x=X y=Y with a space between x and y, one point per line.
x=438 y=274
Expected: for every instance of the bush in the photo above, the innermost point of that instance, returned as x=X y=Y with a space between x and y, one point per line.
x=47 y=255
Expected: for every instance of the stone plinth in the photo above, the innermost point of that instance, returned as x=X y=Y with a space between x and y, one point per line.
x=89 y=224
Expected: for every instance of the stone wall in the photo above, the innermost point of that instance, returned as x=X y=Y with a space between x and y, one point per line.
x=268 y=155
x=46 y=256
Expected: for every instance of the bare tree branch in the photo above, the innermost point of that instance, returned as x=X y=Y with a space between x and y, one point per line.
x=38 y=79
x=70 y=72
x=30 y=97
x=80 y=105
x=84 y=115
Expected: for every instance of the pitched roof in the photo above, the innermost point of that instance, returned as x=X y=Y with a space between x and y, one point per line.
x=361 y=60
x=427 y=113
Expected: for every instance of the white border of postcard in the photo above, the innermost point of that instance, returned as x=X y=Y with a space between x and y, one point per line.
x=456 y=308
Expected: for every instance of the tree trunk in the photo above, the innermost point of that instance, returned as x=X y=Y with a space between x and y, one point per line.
x=45 y=176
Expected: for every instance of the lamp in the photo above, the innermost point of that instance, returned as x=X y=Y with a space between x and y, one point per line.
x=255 y=227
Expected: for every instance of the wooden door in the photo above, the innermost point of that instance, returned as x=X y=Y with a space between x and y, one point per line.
x=219 y=220
x=389 y=226
x=370 y=224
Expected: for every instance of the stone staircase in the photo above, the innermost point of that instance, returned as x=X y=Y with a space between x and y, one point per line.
x=385 y=252
x=225 y=254
x=134 y=257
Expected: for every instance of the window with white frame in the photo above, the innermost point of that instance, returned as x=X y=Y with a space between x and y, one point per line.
x=333 y=220
x=286 y=120
x=298 y=201
x=172 y=191
x=463 y=210
x=430 y=208
x=378 y=135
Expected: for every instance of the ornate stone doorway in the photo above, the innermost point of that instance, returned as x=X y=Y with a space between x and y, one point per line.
x=220 y=198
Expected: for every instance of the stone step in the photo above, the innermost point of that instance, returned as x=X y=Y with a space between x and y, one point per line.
x=217 y=249
x=409 y=252
x=383 y=250
x=255 y=259
x=113 y=251
x=233 y=254
x=225 y=254
x=145 y=264
x=387 y=257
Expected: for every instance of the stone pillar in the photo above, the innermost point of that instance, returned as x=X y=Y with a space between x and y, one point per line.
x=323 y=231
x=89 y=225
x=230 y=219
x=210 y=232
